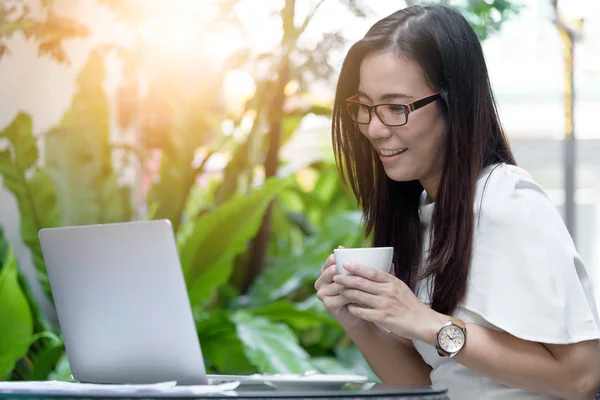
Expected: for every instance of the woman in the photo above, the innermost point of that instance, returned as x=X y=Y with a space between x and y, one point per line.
x=479 y=248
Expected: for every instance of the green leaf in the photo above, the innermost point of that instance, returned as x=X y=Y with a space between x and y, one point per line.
x=289 y=124
x=79 y=155
x=284 y=276
x=19 y=133
x=40 y=322
x=325 y=337
x=272 y=348
x=17 y=324
x=208 y=251
x=287 y=273
x=62 y=372
x=486 y=17
x=45 y=362
x=32 y=187
x=222 y=349
x=291 y=314
x=170 y=191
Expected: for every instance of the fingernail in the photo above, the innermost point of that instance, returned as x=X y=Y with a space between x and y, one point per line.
x=348 y=266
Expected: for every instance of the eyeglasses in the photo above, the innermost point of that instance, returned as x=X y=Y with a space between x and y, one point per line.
x=388 y=114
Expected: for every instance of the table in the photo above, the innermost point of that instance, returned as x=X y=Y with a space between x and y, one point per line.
x=377 y=392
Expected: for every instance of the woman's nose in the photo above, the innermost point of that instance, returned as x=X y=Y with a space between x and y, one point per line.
x=376 y=129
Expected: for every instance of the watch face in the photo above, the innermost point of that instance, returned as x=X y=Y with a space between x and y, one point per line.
x=451 y=339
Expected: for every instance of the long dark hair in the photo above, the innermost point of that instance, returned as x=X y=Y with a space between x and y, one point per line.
x=443 y=44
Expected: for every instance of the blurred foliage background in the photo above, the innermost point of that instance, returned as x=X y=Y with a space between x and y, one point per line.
x=252 y=235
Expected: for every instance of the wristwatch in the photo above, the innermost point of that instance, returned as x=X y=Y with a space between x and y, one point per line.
x=451 y=338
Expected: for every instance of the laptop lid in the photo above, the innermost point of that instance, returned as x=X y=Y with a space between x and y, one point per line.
x=122 y=303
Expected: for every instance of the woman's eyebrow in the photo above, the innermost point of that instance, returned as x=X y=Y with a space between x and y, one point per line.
x=387 y=96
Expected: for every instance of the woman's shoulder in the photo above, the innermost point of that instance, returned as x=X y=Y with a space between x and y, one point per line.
x=505 y=180
x=525 y=269
x=508 y=194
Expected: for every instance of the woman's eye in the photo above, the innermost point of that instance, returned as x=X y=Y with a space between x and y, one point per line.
x=397 y=109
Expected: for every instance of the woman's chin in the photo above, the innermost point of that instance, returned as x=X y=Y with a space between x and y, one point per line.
x=399 y=175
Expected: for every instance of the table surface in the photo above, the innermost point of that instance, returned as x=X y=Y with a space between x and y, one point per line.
x=378 y=392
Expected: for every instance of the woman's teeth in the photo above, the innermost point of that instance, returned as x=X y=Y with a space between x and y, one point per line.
x=390 y=153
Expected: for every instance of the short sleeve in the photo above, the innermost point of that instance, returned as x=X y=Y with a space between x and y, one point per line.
x=526 y=276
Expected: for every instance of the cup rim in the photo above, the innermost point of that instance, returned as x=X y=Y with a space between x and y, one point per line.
x=363 y=249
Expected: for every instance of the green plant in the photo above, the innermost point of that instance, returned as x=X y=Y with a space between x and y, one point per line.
x=210 y=244
x=485 y=16
x=32 y=187
x=17 y=324
x=79 y=155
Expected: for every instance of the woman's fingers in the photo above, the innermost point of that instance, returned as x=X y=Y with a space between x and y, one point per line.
x=328 y=262
x=366 y=299
x=371 y=274
x=326 y=277
x=359 y=283
x=332 y=289
x=335 y=303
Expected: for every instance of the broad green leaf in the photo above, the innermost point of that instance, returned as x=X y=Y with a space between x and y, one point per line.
x=271 y=347
x=19 y=133
x=291 y=314
x=62 y=371
x=170 y=191
x=79 y=155
x=288 y=230
x=40 y=323
x=325 y=337
x=290 y=224
x=287 y=273
x=17 y=324
x=45 y=361
x=221 y=347
x=283 y=276
x=208 y=251
x=32 y=187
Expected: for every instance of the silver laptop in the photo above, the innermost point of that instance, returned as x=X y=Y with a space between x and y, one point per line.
x=122 y=303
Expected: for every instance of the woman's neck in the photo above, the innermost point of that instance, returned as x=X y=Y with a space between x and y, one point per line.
x=431 y=186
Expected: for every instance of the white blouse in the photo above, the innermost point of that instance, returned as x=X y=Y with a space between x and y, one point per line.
x=526 y=278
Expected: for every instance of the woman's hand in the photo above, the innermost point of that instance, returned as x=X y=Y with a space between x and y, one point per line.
x=329 y=293
x=386 y=301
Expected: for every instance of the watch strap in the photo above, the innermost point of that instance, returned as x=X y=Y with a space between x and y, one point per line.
x=460 y=323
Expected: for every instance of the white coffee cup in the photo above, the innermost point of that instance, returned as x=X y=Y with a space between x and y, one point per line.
x=375 y=257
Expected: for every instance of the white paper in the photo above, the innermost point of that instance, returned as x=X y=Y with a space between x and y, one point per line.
x=72 y=388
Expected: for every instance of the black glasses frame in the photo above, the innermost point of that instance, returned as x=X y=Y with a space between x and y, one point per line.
x=407 y=108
